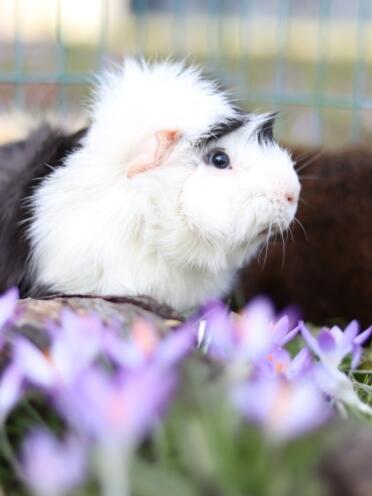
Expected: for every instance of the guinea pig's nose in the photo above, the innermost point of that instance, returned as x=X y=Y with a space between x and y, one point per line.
x=286 y=194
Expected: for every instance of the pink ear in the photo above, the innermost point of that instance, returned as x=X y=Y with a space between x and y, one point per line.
x=155 y=152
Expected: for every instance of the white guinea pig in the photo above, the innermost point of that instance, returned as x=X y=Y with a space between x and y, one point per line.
x=169 y=192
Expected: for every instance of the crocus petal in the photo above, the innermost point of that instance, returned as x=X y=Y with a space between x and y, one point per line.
x=81 y=331
x=281 y=329
x=146 y=395
x=280 y=359
x=274 y=364
x=336 y=384
x=363 y=336
x=76 y=345
x=336 y=333
x=257 y=338
x=356 y=356
x=34 y=366
x=52 y=467
x=219 y=330
x=8 y=302
x=300 y=364
x=122 y=352
x=145 y=337
x=350 y=332
x=83 y=404
x=176 y=346
x=290 y=335
x=309 y=339
x=259 y=312
x=326 y=341
x=10 y=389
x=117 y=409
x=306 y=411
x=283 y=409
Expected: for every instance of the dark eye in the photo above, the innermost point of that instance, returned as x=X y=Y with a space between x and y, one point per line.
x=218 y=159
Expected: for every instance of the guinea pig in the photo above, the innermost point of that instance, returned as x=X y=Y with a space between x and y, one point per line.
x=168 y=191
x=327 y=267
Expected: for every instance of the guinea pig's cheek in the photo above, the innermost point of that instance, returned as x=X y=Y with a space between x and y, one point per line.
x=244 y=219
x=205 y=202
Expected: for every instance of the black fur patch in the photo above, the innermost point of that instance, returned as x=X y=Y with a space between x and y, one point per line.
x=23 y=165
x=220 y=129
x=265 y=131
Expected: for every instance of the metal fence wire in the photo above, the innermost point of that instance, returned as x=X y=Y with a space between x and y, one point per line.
x=309 y=59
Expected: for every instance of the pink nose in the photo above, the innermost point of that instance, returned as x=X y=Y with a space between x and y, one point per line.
x=285 y=193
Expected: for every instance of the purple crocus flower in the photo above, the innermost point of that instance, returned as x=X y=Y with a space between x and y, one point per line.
x=134 y=351
x=52 y=467
x=120 y=408
x=333 y=345
x=144 y=345
x=116 y=410
x=284 y=409
x=279 y=363
x=8 y=303
x=176 y=346
x=249 y=336
x=336 y=385
x=216 y=334
x=75 y=344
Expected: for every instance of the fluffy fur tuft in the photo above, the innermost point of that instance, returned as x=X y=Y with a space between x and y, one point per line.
x=139 y=207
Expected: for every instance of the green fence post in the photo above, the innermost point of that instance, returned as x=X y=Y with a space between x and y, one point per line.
x=18 y=55
x=103 y=33
x=321 y=66
x=61 y=59
x=280 y=63
x=359 y=67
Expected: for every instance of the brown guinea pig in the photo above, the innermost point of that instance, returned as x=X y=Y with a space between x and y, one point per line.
x=326 y=273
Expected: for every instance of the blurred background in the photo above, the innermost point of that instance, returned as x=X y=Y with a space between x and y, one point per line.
x=309 y=59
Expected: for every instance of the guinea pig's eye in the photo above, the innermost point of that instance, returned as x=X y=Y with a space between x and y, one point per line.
x=218 y=158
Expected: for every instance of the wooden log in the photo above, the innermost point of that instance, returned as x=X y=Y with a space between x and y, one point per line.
x=34 y=314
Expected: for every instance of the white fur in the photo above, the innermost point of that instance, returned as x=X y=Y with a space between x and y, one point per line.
x=177 y=232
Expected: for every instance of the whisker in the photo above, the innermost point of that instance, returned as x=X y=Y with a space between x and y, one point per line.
x=302 y=227
x=273 y=240
x=286 y=235
x=291 y=233
x=301 y=200
x=267 y=244
x=283 y=246
x=302 y=164
x=303 y=178
x=308 y=162
x=303 y=155
x=306 y=154
x=260 y=252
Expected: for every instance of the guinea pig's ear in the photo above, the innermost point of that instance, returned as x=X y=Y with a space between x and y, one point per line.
x=265 y=128
x=154 y=152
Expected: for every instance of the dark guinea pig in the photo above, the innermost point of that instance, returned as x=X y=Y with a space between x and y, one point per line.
x=327 y=273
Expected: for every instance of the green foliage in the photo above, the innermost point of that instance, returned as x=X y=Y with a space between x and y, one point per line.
x=204 y=448
x=201 y=448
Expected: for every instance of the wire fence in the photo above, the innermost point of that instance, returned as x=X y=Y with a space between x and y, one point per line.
x=311 y=60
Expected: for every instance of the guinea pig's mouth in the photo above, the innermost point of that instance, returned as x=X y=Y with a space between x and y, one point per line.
x=277 y=226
